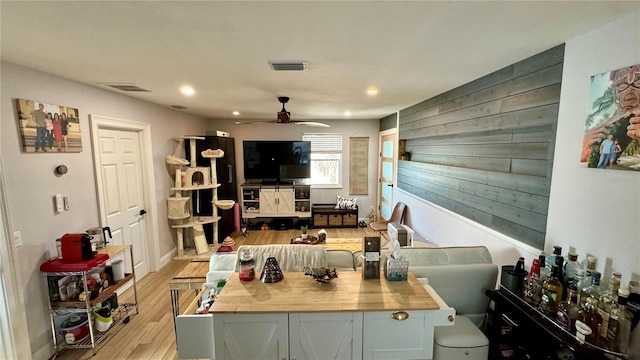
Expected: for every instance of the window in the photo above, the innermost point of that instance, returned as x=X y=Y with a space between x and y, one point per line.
x=326 y=159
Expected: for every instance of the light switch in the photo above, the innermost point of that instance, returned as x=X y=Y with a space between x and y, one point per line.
x=66 y=202
x=59 y=203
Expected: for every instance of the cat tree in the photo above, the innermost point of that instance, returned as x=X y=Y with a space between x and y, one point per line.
x=187 y=179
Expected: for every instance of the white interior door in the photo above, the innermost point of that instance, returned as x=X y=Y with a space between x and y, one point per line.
x=386 y=175
x=122 y=197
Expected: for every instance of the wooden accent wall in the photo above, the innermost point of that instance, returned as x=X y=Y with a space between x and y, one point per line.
x=388 y=122
x=485 y=149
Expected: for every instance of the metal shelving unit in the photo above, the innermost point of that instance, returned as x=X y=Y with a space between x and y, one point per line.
x=121 y=315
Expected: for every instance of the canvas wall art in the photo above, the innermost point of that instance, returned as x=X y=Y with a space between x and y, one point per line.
x=48 y=128
x=612 y=127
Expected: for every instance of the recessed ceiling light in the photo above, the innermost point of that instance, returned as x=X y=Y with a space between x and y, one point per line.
x=372 y=91
x=187 y=90
x=236 y=113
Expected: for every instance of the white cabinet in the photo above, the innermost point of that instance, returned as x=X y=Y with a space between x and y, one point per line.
x=251 y=336
x=276 y=201
x=317 y=336
x=388 y=338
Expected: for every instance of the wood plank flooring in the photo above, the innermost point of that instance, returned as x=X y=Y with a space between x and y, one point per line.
x=150 y=334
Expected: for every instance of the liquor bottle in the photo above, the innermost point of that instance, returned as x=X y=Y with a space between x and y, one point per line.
x=560 y=275
x=570 y=267
x=581 y=281
x=633 y=304
x=533 y=284
x=551 y=260
x=608 y=302
x=568 y=310
x=619 y=328
x=551 y=293
x=588 y=326
x=589 y=266
x=542 y=260
x=591 y=291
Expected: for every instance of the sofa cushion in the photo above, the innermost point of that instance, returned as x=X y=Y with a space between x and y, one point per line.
x=341 y=260
x=446 y=255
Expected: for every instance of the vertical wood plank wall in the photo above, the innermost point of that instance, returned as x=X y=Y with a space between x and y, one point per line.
x=485 y=149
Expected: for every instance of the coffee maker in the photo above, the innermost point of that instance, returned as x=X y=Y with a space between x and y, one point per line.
x=75 y=248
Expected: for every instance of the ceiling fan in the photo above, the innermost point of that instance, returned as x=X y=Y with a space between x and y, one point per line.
x=284 y=117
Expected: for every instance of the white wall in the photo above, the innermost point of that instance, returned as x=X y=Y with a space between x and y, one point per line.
x=30 y=180
x=594 y=211
x=590 y=211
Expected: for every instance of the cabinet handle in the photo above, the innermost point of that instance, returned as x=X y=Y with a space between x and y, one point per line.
x=230 y=174
x=400 y=315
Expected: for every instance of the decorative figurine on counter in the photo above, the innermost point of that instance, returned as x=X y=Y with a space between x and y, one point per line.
x=271 y=273
x=322 y=274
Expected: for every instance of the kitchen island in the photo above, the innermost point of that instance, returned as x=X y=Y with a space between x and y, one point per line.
x=300 y=318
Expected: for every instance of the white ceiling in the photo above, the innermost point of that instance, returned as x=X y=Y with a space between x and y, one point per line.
x=411 y=51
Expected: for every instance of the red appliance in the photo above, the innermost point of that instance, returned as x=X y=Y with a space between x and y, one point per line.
x=75 y=248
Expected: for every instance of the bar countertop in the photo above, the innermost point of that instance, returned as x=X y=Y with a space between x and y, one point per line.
x=301 y=293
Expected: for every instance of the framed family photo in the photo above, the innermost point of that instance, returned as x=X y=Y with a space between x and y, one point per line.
x=612 y=126
x=48 y=127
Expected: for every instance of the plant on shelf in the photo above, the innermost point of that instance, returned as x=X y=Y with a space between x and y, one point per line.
x=303 y=231
x=405 y=155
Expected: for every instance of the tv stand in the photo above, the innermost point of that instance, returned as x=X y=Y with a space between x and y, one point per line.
x=275 y=199
x=277 y=182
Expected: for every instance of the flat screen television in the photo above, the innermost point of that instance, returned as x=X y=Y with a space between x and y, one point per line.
x=276 y=161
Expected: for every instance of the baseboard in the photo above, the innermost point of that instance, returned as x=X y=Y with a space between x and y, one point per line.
x=164 y=260
x=44 y=352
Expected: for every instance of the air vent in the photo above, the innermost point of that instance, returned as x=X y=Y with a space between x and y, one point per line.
x=179 y=107
x=289 y=65
x=127 y=87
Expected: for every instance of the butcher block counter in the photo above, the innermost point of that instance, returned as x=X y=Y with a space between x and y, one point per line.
x=301 y=293
x=300 y=318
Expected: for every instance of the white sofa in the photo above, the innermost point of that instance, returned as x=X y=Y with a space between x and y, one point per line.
x=460 y=275
x=290 y=258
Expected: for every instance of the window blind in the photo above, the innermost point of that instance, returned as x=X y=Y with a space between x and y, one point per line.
x=324 y=142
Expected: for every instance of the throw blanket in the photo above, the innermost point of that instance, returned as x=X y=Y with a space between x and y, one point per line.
x=289 y=257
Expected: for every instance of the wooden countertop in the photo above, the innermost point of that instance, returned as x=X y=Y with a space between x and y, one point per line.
x=301 y=293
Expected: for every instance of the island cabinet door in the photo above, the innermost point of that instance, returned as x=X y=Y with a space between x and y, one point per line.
x=251 y=336
x=318 y=336
x=194 y=332
x=388 y=336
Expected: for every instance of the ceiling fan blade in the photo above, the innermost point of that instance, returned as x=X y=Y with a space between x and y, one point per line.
x=254 y=122
x=310 y=123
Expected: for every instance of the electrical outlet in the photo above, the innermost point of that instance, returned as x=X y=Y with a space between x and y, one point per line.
x=17 y=239
x=371 y=208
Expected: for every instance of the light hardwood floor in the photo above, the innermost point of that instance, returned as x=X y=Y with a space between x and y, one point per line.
x=150 y=334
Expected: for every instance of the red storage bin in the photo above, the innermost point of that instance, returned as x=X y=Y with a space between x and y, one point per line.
x=56 y=265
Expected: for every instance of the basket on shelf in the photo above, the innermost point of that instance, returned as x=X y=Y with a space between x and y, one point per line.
x=225 y=204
